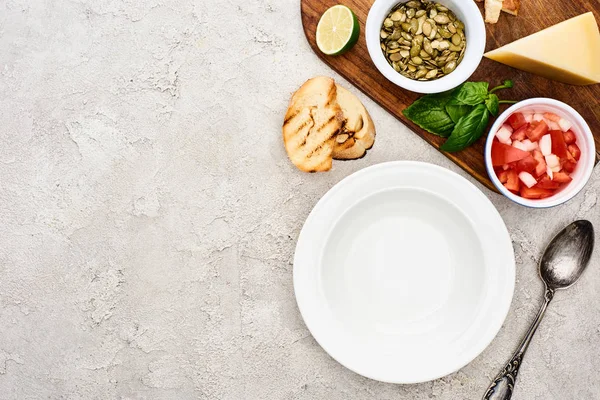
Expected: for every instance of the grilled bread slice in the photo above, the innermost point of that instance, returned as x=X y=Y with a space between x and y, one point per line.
x=311 y=123
x=357 y=134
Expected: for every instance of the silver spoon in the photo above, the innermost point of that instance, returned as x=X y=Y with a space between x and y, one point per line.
x=565 y=259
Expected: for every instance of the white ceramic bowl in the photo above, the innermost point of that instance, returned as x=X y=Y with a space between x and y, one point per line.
x=585 y=141
x=466 y=10
x=404 y=272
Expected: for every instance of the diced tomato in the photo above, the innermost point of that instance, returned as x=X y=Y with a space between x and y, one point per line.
x=552 y=117
x=506 y=154
x=535 y=192
x=503 y=177
x=517 y=120
x=559 y=147
x=536 y=130
x=570 y=137
x=569 y=166
x=528 y=164
x=512 y=180
x=540 y=168
x=547 y=183
x=519 y=134
x=575 y=151
x=561 y=177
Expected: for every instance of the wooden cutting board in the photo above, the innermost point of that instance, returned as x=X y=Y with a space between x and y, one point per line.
x=357 y=67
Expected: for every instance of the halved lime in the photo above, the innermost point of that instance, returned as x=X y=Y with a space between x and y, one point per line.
x=337 y=31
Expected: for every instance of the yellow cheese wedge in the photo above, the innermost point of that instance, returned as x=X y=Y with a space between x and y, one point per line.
x=568 y=52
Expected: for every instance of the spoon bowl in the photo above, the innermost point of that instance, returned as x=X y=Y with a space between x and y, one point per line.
x=567 y=255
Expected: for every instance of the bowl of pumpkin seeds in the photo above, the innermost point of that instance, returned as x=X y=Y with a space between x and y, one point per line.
x=426 y=46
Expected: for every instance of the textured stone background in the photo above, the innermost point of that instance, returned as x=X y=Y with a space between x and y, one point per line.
x=148 y=215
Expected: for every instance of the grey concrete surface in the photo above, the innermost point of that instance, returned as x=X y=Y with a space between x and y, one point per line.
x=148 y=215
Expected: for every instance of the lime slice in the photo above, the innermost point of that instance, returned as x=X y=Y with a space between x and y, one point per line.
x=337 y=31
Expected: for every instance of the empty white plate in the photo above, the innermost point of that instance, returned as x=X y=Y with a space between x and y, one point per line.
x=404 y=272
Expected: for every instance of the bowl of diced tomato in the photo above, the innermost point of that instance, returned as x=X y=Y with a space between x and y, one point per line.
x=540 y=153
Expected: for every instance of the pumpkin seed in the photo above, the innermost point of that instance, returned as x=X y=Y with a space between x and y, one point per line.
x=396 y=35
x=426 y=29
x=444 y=44
x=383 y=34
x=456 y=39
x=412 y=68
x=434 y=32
x=414 y=25
x=417 y=60
x=441 y=19
x=404 y=53
x=396 y=57
x=427 y=47
x=410 y=13
x=431 y=74
x=433 y=12
x=396 y=16
x=406 y=26
x=449 y=67
x=454 y=48
x=421 y=73
x=393 y=51
x=388 y=23
x=393 y=45
x=451 y=28
x=445 y=33
x=415 y=50
x=413 y=4
x=421 y=21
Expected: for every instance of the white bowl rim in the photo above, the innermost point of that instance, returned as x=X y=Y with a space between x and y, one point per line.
x=471 y=61
x=574 y=187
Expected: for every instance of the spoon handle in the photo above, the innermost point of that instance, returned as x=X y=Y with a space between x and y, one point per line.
x=503 y=385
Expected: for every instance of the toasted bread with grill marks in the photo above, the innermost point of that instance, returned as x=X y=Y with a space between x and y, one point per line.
x=357 y=134
x=311 y=123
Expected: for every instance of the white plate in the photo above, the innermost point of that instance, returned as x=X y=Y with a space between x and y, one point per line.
x=404 y=272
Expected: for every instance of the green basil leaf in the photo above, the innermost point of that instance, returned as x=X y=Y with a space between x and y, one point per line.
x=457 y=111
x=468 y=130
x=429 y=112
x=471 y=93
x=493 y=104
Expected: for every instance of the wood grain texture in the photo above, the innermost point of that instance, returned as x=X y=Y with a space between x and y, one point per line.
x=357 y=67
